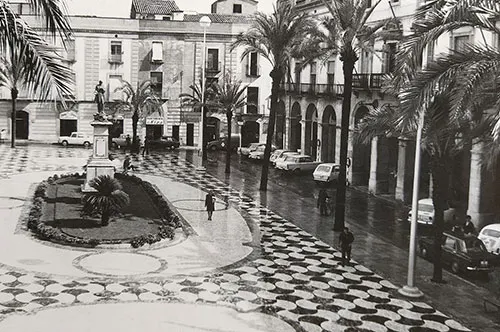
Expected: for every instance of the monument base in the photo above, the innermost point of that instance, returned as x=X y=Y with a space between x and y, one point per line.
x=97 y=167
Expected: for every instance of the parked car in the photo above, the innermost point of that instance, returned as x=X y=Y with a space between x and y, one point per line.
x=460 y=252
x=326 y=173
x=220 y=144
x=76 y=138
x=259 y=153
x=284 y=155
x=426 y=213
x=164 y=142
x=297 y=163
x=490 y=235
x=120 y=141
x=245 y=151
x=277 y=154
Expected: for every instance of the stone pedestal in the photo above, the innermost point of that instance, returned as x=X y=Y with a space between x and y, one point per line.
x=99 y=163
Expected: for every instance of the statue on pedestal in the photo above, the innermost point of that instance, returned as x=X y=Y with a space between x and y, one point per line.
x=99 y=97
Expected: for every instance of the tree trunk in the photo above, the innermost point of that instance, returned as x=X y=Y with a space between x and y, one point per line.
x=204 y=135
x=348 y=58
x=276 y=75
x=440 y=186
x=105 y=218
x=229 y=116
x=135 y=141
x=13 y=94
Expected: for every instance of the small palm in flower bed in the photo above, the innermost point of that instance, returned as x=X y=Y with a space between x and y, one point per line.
x=108 y=200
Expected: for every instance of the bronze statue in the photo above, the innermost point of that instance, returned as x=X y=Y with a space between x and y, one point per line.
x=99 y=97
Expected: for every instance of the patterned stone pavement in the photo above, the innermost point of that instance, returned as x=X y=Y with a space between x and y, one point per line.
x=289 y=274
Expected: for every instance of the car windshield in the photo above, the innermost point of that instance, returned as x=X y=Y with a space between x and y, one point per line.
x=253 y=146
x=425 y=208
x=491 y=232
x=473 y=244
x=323 y=168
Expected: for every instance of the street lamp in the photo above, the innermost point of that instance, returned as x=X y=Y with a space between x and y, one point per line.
x=410 y=290
x=205 y=24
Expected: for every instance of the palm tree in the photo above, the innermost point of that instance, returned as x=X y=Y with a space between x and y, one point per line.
x=108 y=199
x=194 y=100
x=451 y=79
x=229 y=97
x=28 y=61
x=141 y=102
x=346 y=32
x=275 y=37
x=442 y=93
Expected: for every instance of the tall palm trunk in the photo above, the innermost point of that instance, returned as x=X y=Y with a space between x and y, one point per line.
x=105 y=217
x=229 y=116
x=348 y=58
x=440 y=184
x=276 y=76
x=204 y=134
x=135 y=141
x=13 y=94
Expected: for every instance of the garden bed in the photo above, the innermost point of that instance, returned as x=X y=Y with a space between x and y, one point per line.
x=56 y=214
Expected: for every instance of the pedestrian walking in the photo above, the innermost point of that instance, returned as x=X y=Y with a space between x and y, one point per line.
x=127 y=164
x=322 y=202
x=210 y=204
x=346 y=239
x=469 y=227
x=145 y=148
x=128 y=143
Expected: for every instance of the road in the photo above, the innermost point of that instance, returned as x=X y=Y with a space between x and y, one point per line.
x=294 y=198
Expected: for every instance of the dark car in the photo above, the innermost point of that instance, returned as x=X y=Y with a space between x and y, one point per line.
x=220 y=144
x=460 y=252
x=164 y=142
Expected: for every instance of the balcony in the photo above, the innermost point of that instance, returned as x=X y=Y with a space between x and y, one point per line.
x=367 y=81
x=115 y=58
x=212 y=68
x=328 y=90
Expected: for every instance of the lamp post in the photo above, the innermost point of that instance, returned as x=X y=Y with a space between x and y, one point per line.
x=205 y=24
x=410 y=290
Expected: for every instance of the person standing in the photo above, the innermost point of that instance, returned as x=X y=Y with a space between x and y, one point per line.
x=210 y=204
x=128 y=142
x=346 y=239
x=322 y=200
x=469 y=227
x=127 y=164
x=145 y=148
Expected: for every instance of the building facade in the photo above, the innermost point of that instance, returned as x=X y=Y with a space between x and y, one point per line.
x=311 y=109
x=158 y=43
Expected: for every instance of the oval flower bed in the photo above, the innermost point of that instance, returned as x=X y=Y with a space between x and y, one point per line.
x=56 y=214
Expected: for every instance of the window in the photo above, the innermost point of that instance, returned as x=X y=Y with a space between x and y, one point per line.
x=389 y=63
x=460 y=43
x=330 y=72
x=252 y=67
x=297 y=73
x=312 y=75
x=252 y=100
x=70 y=50
x=236 y=9
x=366 y=61
x=116 y=52
x=369 y=3
x=167 y=18
x=156 y=82
x=213 y=59
x=157 y=52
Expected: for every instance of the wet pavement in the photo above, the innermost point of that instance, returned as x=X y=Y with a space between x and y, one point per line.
x=288 y=274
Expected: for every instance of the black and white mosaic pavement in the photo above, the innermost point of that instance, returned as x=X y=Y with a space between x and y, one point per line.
x=292 y=275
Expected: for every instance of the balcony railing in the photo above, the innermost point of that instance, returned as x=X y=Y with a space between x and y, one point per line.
x=212 y=68
x=332 y=90
x=115 y=58
x=367 y=81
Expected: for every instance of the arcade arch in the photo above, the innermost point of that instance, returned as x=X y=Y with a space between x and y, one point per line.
x=279 y=132
x=360 y=166
x=311 y=132
x=328 y=135
x=295 y=127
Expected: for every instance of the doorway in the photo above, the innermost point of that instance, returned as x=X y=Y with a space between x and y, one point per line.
x=66 y=127
x=22 y=125
x=190 y=134
x=154 y=131
x=175 y=132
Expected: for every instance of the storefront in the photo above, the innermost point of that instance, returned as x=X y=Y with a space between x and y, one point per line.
x=68 y=123
x=154 y=127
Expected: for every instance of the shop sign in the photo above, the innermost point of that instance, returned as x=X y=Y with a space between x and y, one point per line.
x=70 y=115
x=190 y=117
x=154 y=121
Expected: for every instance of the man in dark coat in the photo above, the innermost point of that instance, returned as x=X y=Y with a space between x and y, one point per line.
x=322 y=200
x=210 y=204
x=346 y=239
x=469 y=227
x=145 y=148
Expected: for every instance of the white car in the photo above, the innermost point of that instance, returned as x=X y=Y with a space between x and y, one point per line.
x=277 y=154
x=327 y=172
x=490 y=235
x=284 y=155
x=426 y=213
x=259 y=153
x=245 y=151
x=75 y=138
x=297 y=163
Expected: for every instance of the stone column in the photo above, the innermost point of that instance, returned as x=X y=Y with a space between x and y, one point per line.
x=99 y=162
x=400 y=179
x=480 y=184
x=372 y=182
x=302 y=136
